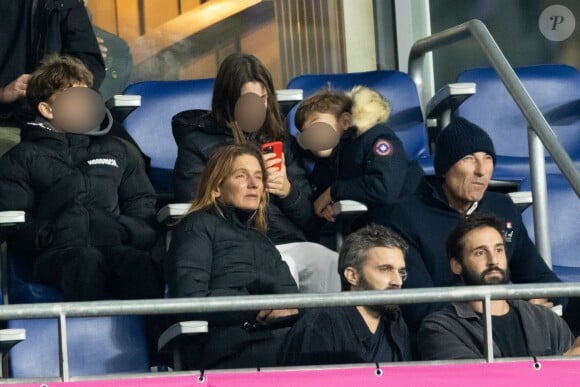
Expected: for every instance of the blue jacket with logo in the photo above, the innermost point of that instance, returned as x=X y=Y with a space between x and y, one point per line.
x=370 y=164
x=371 y=168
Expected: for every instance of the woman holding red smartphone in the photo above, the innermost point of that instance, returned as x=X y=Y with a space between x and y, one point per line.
x=245 y=110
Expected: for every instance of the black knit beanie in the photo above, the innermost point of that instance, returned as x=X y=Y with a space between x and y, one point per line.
x=457 y=140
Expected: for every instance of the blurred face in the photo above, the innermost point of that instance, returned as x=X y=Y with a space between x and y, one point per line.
x=76 y=109
x=256 y=88
x=339 y=125
x=467 y=180
x=243 y=188
x=484 y=260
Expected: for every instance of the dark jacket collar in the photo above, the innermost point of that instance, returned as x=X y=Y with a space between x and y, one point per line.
x=234 y=215
x=359 y=325
x=431 y=188
x=41 y=130
x=464 y=309
x=393 y=323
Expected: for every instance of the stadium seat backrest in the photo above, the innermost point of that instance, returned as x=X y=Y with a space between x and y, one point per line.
x=150 y=124
x=564 y=225
x=398 y=88
x=22 y=289
x=554 y=88
x=96 y=346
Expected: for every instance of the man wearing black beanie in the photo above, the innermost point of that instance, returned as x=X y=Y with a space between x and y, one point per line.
x=464 y=163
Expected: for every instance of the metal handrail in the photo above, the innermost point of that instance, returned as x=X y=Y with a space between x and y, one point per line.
x=63 y=310
x=476 y=29
x=538 y=126
x=283 y=301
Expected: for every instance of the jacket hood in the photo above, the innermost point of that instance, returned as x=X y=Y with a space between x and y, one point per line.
x=369 y=108
x=104 y=127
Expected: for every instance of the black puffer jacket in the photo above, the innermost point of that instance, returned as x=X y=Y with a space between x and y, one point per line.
x=77 y=190
x=213 y=255
x=198 y=135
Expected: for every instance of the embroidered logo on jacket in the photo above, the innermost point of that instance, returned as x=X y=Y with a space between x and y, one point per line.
x=508 y=232
x=383 y=148
x=111 y=162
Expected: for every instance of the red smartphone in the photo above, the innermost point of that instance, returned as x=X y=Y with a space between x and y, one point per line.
x=274 y=147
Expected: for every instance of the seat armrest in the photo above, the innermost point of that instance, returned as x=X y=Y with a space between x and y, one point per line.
x=169 y=337
x=10 y=337
x=345 y=212
x=10 y=218
x=171 y=212
x=121 y=105
x=348 y=207
x=449 y=97
x=287 y=98
x=522 y=199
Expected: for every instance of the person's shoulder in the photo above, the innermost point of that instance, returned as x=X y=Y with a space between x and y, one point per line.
x=109 y=144
x=192 y=122
x=448 y=313
x=199 y=217
x=34 y=138
x=496 y=196
x=402 y=207
x=321 y=316
x=538 y=310
x=20 y=152
x=197 y=223
x=498 y=203
x=193 y=117
x=382 y=129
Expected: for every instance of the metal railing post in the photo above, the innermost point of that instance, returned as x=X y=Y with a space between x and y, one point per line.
x=63 y=347
x=540 y=196
x=476 y=29
x=487 y=330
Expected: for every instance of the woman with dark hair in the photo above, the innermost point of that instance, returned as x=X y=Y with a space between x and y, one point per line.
x=220 y=248
x=199 y=133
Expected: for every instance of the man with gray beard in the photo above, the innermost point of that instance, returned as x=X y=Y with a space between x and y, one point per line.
x=477 y=254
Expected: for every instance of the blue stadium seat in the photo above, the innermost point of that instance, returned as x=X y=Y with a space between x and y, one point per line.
x=556 y=91
x=150 y=125
x=22 y=289
x=397 y=87
x=564 y=225
x=96 y=346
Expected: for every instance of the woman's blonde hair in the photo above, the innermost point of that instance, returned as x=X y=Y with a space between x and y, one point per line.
x=218 y=168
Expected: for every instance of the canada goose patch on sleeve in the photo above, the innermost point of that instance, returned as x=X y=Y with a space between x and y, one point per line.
x=383 y=148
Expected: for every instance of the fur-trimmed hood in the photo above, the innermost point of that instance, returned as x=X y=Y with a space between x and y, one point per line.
x=369 y=108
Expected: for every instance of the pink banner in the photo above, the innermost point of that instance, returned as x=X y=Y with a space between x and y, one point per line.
x=549 y=373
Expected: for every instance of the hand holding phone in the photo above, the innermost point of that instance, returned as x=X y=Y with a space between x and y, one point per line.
x=275 y=147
